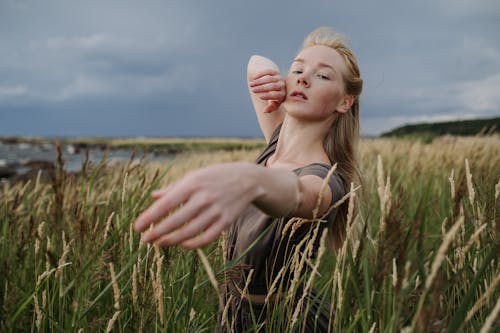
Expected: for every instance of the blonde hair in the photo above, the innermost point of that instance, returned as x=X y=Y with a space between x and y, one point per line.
x=341 y=141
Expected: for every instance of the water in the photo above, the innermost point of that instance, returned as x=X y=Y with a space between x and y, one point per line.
x=14 y=155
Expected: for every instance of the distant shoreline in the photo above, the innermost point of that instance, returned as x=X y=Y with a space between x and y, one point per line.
x=153 y=145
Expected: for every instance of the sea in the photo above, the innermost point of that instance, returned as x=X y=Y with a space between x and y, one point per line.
x=15 y=155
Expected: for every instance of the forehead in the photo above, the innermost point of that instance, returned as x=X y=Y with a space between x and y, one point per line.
x=321 y=54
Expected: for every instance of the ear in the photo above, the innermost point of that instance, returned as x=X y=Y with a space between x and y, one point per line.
x=345 y=104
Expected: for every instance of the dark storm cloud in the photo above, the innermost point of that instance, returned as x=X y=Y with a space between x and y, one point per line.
x=178 y=67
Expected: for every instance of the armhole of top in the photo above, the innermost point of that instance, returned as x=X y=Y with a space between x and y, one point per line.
x=271 y=146
x=336 y=184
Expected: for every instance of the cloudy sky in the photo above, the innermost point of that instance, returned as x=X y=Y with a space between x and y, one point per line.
x=177 y=68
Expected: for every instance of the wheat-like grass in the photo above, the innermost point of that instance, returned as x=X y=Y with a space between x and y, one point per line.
x=134 y=284
x=297 y=265
x=436 y=264
x=322 y=190
x=394 y=273
x=38 y=314
x=491 y=318
x=39 y=238
x=211 y=275
x=109 y=221
x=497 y=189
x=452 y=184
x=416 y=183
x=244 y=292
x=309 y=282
x=225 y=312
x=470 y=187
x=480 y=302
x=474 y=238
x=158 y=285
x=112 y=321
x=116 y=289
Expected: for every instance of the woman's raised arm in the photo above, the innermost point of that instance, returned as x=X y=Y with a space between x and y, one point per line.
x=267 y=90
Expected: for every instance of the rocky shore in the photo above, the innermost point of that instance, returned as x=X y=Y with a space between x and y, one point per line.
x=21 y=161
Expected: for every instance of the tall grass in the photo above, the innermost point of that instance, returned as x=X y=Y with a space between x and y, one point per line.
x=424 y=258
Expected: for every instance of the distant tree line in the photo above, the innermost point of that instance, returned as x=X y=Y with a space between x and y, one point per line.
x=462 y=127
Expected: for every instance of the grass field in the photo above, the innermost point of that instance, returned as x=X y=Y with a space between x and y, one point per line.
x=425 y=260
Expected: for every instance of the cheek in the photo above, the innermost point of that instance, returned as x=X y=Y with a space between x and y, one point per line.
x=330 y=100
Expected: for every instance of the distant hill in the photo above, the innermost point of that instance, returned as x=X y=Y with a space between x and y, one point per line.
x=462 y=127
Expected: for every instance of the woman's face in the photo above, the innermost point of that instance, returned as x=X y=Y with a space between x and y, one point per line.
x=314 y=85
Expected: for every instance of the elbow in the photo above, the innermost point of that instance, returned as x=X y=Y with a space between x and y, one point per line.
x=252 y=64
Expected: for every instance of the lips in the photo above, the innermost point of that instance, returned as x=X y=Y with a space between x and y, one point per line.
x=298 y=94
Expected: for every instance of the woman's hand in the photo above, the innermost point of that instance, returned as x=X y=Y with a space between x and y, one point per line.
x=269 y=86
x=196 y=209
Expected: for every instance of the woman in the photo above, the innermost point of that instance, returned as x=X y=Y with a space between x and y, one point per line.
x=310 y=121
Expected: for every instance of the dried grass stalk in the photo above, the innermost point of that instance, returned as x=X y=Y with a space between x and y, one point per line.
x=436 y=264
x=108 y=225
x=112 y=321
x=211 y=275
x=38 y=238
x=309 y=283
x=452 y=184
x=224 y=321
x=116 y=289
x=272 y=289
x=470 y=242
x=497 y=189
x=480 y=302
x=491 y=318
x=443 y=248
x=322 y=190
x=470 y=187
x=134 y=284
x=38 y=314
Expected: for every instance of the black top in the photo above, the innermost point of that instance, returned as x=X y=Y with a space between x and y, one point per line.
x=278 y=236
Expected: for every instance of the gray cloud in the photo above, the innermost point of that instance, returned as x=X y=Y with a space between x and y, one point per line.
x=178 y=67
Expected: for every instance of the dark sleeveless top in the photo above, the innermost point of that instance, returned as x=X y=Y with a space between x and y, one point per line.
x=270 y=252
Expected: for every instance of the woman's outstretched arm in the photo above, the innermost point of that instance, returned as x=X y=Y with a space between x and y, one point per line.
x=267 y=90
x=196 y=209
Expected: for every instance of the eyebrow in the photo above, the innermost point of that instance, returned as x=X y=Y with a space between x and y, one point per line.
x=320 y=64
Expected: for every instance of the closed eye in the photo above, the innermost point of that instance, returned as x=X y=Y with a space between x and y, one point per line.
x=323 y=76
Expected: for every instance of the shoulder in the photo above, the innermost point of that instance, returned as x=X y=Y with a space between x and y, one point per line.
x=327 y=172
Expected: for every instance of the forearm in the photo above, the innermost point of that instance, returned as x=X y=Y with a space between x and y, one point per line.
x=259 y=67
x=276 y=192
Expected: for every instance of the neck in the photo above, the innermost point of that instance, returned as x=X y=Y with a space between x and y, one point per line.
x=300 y=143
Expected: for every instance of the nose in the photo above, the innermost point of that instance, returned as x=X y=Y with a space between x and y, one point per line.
x=302 y=79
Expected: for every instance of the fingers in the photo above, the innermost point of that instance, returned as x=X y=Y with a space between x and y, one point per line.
x=184 y=214
x=271 y=106
x=270 y=87
x=159 y=193
x=162 y=206
x=205 y=238
x=267 y=72
x=191 y=229
x=277 y=80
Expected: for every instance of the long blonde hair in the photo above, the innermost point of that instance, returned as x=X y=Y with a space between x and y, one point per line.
x=341 y=141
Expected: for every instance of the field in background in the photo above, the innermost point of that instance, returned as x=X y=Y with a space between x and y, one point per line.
x=426 y=259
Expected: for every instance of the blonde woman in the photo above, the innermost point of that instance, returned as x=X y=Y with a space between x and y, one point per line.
x=310 y=121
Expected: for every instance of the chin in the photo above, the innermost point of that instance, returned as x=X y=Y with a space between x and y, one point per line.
x=304 y=114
